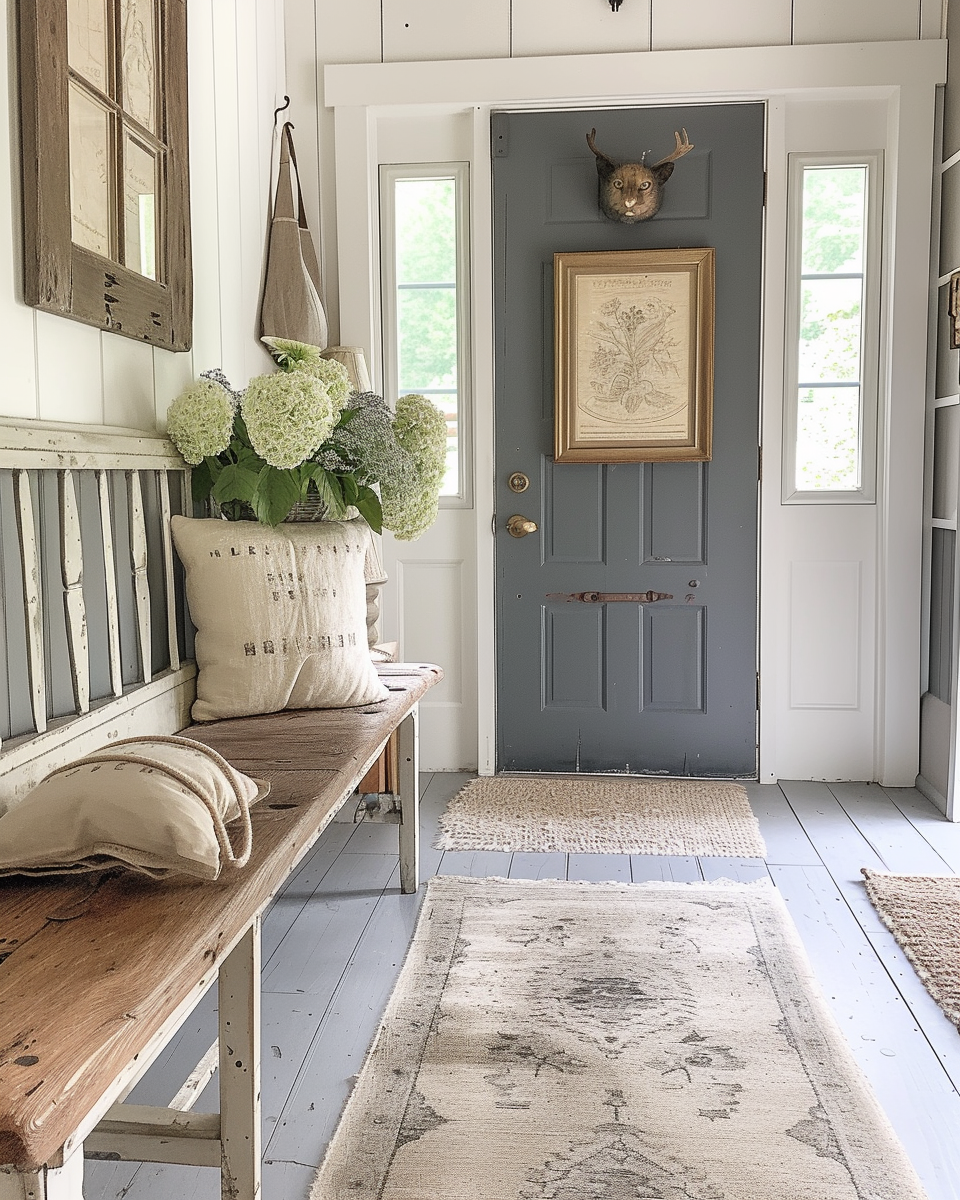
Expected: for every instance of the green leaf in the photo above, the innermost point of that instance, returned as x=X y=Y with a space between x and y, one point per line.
x=351 y=489
x=330 y=492
x=201 y=480
x=368 y=505
x=277 y=491
x=235 y=482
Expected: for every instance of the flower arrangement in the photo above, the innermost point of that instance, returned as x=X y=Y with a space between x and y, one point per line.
x=299 y=434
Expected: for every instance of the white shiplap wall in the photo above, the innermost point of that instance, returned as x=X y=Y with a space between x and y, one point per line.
x=59 y=370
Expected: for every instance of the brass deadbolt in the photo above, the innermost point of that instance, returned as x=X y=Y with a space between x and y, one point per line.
x=519 y=526
x=518 y=482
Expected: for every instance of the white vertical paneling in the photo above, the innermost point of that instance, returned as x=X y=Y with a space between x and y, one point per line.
x=421 y=30
x=256 y=100
x=69 y=370
x=110 y=582
x=572 y=27
x=905 y=303
x=32 y=593
x=331 y=33
x=71 y=574
x=204 y=188
x=235 y=325
x=173 y=641
x=825 y=634
x=946 y=462
x=358 y=233
x=950 y=208
x=825 y=21
x=932 y=18
x=128 y=390
x=138 y=564
x=171 y=374
x=693 y=24
x=431 y=598
x=19 y=395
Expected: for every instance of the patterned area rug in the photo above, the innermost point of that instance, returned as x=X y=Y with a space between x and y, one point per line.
x=563 y=1041
x=923 y=914
x=577 y=815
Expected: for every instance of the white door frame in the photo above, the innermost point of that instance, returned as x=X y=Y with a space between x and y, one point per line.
x=904 y=75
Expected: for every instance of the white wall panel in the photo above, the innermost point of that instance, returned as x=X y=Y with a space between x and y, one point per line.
x=946 y=462
x=932 y=13
x=235 y=323
x=825 y=634
x=950 y=220
x=128 y=391
x=689 y=24
x=18 y=395
x=935 y=735
x=256 y=50
x=574 y=27
x=207 y=347
x=824 y=21
x=69 y=370
x=422 y=30
x=171 y=374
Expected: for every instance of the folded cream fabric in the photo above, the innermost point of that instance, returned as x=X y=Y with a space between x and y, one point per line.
x=158 y=805
x=280 y=615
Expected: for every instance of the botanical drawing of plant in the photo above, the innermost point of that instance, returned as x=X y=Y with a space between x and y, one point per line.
x=634 y=360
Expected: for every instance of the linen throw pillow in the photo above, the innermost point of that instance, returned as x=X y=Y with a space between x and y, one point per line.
x=158 y=805
x=280 y=615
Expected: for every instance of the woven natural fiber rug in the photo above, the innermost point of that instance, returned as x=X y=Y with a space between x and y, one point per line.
x=563 y=1041
x=577 y=815
x=923 y=914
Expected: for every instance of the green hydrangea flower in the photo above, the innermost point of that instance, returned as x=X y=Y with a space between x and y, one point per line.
x=411 y=496
x=200 y=420
x=332 y=375
x=288 y=416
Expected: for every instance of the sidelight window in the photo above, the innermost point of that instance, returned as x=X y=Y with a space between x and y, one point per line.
x=424 y=256
x=832 y=322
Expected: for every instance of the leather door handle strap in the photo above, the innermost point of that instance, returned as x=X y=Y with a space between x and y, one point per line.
x=609 y=597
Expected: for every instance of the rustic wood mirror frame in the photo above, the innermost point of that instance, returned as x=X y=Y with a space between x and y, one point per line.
x=59 y=275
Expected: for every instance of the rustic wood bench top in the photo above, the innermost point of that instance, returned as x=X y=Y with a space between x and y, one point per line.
x=93 y=969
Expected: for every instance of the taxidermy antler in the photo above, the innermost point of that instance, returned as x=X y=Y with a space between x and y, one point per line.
x=631 y=192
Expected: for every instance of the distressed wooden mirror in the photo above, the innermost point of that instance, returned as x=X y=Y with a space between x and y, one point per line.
x=103 y=87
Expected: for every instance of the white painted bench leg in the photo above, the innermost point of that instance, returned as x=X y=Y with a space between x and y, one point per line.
x=409 y=756
x=49 y=1183
x=239 y=988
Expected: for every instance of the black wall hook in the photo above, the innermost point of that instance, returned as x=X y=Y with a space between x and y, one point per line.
x=286 y=104
x=615 y=5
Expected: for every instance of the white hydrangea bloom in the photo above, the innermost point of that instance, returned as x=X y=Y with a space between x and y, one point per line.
x=411 y=497
x=200 y=420
x=288 y=416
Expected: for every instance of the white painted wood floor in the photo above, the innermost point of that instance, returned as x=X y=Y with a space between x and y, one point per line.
x=335 y=939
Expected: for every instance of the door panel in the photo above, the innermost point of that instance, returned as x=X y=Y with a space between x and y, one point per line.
x=665 y=687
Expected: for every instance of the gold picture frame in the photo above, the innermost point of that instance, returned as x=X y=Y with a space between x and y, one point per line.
x=633 y=346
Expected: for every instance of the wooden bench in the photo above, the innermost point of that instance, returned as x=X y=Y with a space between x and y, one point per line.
x=98 y=973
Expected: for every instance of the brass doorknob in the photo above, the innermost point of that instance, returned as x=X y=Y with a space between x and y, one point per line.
x=519 y=526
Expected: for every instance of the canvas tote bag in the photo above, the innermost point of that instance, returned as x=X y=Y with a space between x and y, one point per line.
x=291 y=307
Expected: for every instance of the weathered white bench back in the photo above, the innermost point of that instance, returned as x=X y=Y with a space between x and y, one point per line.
x=95 y=643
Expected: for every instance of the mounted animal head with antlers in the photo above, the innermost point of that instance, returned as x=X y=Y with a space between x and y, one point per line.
x=631 y=192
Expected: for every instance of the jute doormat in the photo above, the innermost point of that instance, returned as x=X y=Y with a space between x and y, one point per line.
x=609 y=815
x=923 y=914
x=552 y=1040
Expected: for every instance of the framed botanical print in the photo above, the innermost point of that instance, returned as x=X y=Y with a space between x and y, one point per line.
x=103 y=87
x=633 y=344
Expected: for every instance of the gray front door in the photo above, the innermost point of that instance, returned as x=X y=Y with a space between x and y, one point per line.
x=668 y=687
